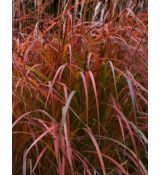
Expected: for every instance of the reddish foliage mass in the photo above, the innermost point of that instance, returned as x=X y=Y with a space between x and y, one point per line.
x=80 y=87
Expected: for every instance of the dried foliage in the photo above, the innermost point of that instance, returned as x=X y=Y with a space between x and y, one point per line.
x=80 y=87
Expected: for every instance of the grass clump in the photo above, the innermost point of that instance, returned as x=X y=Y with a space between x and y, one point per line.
x=80 y=87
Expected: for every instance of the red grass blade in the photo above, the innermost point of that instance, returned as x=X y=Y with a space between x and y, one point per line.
x=39 y=157
x=89 y=132
x=32 y=145
x=96 y=97
x=64 y=124
x=86 y=94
